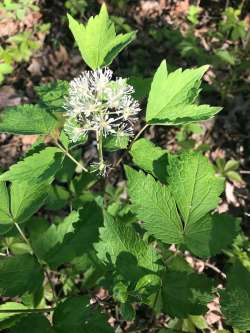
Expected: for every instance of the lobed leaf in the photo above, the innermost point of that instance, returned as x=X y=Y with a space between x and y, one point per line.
x=194 y=189
x=173 y=95
x=97 y=40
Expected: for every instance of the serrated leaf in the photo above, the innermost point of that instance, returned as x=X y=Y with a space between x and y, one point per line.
x=35 y=323
x=97 y=40
x=235 y=299
x=27 y=119
x=185 y=293
x=150 y=158
x=154 y=204
x=26 y=275
x=118 y=238
x=26 y=199
x=76 y=315
x=194 y=185
x=52 y=95
x=172 y=97
x=212 y=233
x=71 y=238
x=37 y=168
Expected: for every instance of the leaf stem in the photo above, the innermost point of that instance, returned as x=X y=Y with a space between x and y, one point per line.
x=25 y=239
x=131 y=144
x=67 y=153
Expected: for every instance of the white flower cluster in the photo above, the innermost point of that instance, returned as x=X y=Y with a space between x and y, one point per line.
x=98 y=103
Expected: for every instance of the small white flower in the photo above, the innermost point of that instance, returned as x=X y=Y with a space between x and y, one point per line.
x=96 y=102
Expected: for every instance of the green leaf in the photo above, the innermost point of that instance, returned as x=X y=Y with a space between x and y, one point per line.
x=115 y=142
x=26 y=199
x=150 y=158
x=235 y=299
x=52 y=95
x=172 y=97
x=5 y=217
x=234 y=176
x=212 y=233
x=35 y=323
x=37 y=168
x=97 y=40
x=19 y=274
x=58 y=198
x=118 y=238
x=27 y=119
x=154 y=205
x=194 y=185
x=71 y=238
x=185 y=293
x=8 y=319
x=76 y=315
x=194 y=188
x=232 y=165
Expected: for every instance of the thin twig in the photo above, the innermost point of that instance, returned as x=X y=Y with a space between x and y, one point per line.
x=216 y=269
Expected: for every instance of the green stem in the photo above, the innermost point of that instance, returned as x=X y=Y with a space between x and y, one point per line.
x=131 y=144
x=67 y=153
x=99 y=146
x=27 y=310
x=25 y=239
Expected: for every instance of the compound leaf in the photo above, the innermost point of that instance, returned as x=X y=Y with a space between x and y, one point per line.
x=27 y=119
x=19 y=274
x=172 y=97
x=97 y=40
